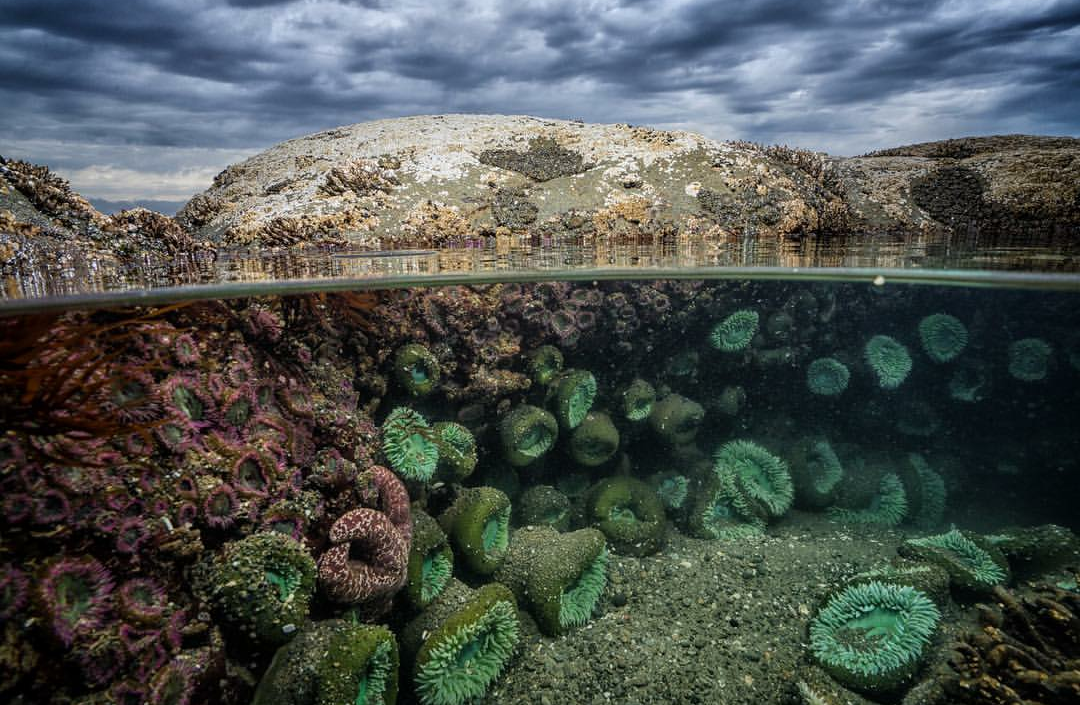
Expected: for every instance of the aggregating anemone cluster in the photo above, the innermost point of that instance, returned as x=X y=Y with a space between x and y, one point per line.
x=220 y=501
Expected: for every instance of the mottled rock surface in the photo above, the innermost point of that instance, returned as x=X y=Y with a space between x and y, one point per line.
x=446 y=180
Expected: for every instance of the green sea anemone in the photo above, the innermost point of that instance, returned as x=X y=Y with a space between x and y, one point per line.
x=595 y=440
x=462 y=643
x=260 y=586
x=873 y=636
x=827 y=376
x=527 y=432
x=671 y=488
x=545 y=363
x=969 y=383
x=416 y=369
x=559 y=577
x=761 y=477
x=676 y=419
x=816 y=472
x=735 y=332
x=888 y=507
x=574 y=393
x=943 y=337
x=543 y=505
x=360 y=667
x=629 y=513
x=973 y=563
x=924 y=577
x=332 y=662
x=637 y=400
x=409 y=444
x=431 y=561
x=457 y=450
x=478 y=524
x=1029 y=359
x=1031 y=550
x=889 y=360
x=925 y=491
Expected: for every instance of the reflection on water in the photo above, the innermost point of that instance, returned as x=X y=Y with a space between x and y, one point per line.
x=921 y=257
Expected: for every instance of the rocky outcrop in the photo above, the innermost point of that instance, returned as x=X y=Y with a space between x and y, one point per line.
x=451 y=180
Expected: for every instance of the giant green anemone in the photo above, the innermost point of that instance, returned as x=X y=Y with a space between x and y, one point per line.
x=759 y=476
x=359 y=667
x=972 y=561
x=676 y=419
x=457 y=450
x=558 y=577
x=720 y=512
x=887 y=507
x=943 y=337
x=1029 y=359
x=574 y=393
x=462 y=643
x=595 y=440
x=527 y=432
x=545 y=363
x=629 y=513
x=260 y=585
x=637 y=400
x=816 y=473
x=735 y=332
x=873 y=636
x=543 y=505
x=889 y=360
x=827 y=376
x=431 y=561
x=409 y=444
x=416 y=369
x=925 y=490
x=478 y=524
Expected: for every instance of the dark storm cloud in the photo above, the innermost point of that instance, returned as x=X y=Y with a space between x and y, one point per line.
x=201 y=76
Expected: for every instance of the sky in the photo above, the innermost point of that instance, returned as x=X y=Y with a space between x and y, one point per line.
x=146 y=100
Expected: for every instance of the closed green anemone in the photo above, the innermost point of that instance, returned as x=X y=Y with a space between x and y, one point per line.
x=330 y=663
x=629 y=513
x=261 y=586
x=478 y=524
x=943 y=337
x=527 y=433
x=543 y=505
x=676 y=419
x=461 y=643
x=889 y=360
x=735 y=332
x=545 y=363
x=558 y=577
x=409 y=444
x=416 y=369
x=574 y=394
x=431 y=560
x=595 y=440
x=973 y=563
x=872 y=637
x=925 y=491
x=761 y=479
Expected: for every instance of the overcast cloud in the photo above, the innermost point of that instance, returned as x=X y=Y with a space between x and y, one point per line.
x=148 y=99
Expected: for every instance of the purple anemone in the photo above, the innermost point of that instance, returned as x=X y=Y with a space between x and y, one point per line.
x=221 y=507
x=75 y=595
x=14 y=591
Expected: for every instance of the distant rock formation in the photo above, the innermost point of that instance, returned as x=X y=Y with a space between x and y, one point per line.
x=441 y=180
